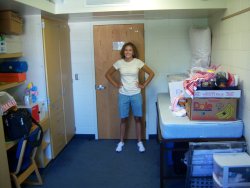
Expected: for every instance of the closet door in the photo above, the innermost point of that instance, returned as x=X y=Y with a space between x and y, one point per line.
x=51 y=39
x=67 y=81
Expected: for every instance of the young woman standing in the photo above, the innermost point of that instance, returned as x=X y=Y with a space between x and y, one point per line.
x=129 y=89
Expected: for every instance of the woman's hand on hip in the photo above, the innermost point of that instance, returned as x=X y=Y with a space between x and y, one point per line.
x=141 y=86
x=119 y=85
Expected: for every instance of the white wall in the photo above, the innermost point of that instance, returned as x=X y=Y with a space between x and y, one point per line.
x=32 y=48
x=231 y=49
x=166 y=51
x=33 y=53
x=84 y=88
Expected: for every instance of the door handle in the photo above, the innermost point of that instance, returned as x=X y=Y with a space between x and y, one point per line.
x=76 y=77
x=100 y=87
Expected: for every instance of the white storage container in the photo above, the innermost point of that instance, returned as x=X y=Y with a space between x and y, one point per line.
x=200 y=155
x=231 y=170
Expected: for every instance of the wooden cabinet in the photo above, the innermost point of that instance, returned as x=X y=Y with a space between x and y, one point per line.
x=59 y=83
x=67 y=81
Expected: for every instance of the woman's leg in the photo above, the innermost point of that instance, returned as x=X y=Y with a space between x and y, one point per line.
x=122 y=134
x=123 y=124
x=138 y=123
x=136 y=103
x=138 y=128
x=124 y=105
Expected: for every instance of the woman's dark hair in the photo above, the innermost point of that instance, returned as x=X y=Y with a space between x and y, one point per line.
x=135 y=52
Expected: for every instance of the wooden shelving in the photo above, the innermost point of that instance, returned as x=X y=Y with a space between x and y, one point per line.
x=4 y=86
x=44 y=145
x=10 y=144
x=43 y=155
x=46 y=161
x=14 y=55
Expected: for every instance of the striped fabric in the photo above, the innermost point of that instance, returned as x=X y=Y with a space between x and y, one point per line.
x=190 y=85
x=6 y=102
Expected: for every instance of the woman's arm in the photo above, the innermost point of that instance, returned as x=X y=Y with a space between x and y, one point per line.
x=151 y=74
x=109 y=77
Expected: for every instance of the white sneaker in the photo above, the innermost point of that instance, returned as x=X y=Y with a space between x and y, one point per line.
x=140 y=147
x=119 y=146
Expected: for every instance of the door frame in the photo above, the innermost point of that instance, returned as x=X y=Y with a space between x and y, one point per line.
x=93 y=68
x=94 y=127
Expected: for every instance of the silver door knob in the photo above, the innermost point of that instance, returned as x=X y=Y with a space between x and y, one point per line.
x=100 y=87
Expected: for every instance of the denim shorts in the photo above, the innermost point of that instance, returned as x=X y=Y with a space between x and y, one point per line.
x=125 y=101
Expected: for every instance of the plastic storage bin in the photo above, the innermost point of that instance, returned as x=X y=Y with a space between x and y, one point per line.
x=12 y=77
x=199 y=160
x=231 y=170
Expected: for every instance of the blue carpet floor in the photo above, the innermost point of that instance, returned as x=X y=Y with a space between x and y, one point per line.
x=95 y=164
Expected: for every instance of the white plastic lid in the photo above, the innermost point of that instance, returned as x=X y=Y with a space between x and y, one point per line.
x=232 y=159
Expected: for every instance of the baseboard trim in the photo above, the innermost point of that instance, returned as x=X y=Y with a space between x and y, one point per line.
x=92 y=136
x=85 y=136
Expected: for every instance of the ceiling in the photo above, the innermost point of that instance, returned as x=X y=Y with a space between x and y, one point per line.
x=23 y=9
x=143 y=15
x=18 y=7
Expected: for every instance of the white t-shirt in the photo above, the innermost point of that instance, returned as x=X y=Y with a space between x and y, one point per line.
x=129 y=75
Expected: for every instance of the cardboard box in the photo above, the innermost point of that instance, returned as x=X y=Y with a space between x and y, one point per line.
x=13 y=44
x=10 y=23
x=175 y=89
x=216 y=94
x=214 y=109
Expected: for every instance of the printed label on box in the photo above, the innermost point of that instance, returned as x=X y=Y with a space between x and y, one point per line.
x=216 y=94
x=212 y=109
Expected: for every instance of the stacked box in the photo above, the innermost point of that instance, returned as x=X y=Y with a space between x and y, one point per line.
x=12 y=77
x=200 y=159
x=10 y=23
x=231 y=170
x=13 y=44
x=213 y=105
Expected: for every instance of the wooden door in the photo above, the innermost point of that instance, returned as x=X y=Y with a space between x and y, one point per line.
x=105 y=57
x=67 y=81
x=54 y=85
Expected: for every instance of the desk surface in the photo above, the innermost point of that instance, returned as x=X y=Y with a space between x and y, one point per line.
x=173 y=127
x=10 y=144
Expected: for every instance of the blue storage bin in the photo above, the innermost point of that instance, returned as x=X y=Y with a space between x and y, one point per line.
x=13 y=67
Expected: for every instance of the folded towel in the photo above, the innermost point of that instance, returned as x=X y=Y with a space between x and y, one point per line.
x=6 y=102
